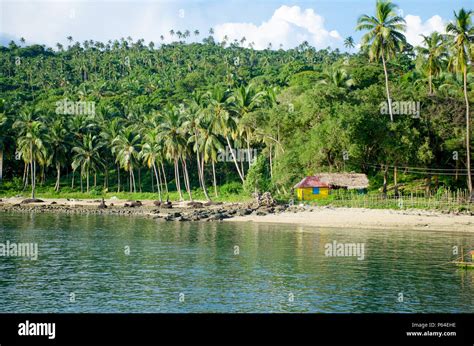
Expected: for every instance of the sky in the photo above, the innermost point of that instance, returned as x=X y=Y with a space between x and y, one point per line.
x=284 y=24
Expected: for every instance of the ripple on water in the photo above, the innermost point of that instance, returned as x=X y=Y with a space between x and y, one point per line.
x=193 y=267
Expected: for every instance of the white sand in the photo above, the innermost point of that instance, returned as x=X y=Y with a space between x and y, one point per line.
x=369 y=219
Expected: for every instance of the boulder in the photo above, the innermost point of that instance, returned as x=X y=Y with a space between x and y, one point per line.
x=243 y=212
x=194 y=204
x=209 y=203
x=167 y=205
x=102 y=205
x=32 y=200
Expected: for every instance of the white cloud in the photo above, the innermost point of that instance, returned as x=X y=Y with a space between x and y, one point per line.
x=288 y=26
x=416 y=27
x=50 y=22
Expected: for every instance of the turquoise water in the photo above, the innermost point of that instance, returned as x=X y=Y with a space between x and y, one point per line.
x=83 y=266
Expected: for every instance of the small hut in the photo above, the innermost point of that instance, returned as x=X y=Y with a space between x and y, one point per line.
x=319 y=185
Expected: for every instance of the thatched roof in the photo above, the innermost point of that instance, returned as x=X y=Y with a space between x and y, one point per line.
x=335 y=180
x=310 y=182
x=344 y=180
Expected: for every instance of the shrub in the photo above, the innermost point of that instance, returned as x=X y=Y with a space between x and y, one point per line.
x=231 y=188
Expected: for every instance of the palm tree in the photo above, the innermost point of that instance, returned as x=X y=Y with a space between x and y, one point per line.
x=337 y=77
x=246 y=100
x=57 y=140
x=461 y=34
x=109 y=131
x=210 y=147
x=349 y=42
x=433 y=57
x=151 y=153
x=223 y=121
x=192 y=125
x=126 y=146
x=173 y=140
x=87 y=156
x=384 y=37
x=30 y=143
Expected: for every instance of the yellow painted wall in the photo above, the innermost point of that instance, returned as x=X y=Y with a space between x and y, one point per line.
x=306 y=193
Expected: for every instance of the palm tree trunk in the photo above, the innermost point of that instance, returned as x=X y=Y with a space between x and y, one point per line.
x=248 y=150
x=235 y=160
x=186 y=179
x=34 y=179
x=271 y=162
x=87 y=180
x=164 y=178
x=468 y=137
x=118 y=177
x=395 y=180
x=32 y=173
x=32 y=184
x=152 y=181
x=1 y=165
x=386 y=87
x=58 y=176
x=160 y=182
x=199 y=169
x=157 y=181
x=26 y=172
x=214 y=177
x=430 y=83
x=385 y=180
x=134 y=182
x=176 y=178
x=203 y=177
x=72 y=183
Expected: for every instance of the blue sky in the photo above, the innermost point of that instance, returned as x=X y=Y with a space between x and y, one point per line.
x=321 y=22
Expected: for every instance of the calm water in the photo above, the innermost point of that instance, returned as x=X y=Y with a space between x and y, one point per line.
x=197 y=267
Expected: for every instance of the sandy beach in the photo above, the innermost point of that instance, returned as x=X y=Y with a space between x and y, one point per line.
x=237 y=212
x=369 y=219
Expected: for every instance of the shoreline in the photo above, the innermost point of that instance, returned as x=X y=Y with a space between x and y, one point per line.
x=325 y=217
